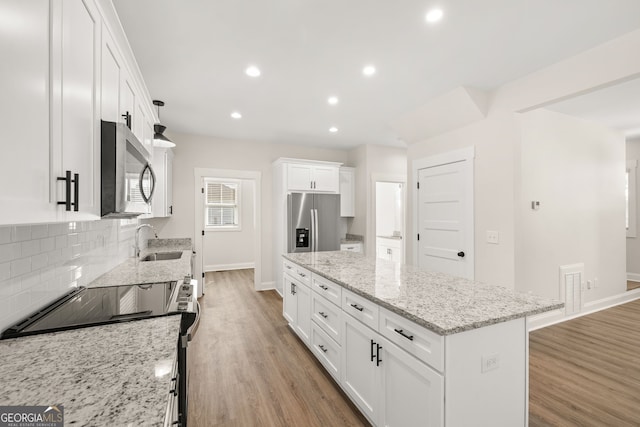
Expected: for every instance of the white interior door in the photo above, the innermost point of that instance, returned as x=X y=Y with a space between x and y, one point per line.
x=445 y=218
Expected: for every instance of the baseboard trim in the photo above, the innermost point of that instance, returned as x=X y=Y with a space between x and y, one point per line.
x=633 y=277
x=266 y=286
x=225 y=267
x=557 y=316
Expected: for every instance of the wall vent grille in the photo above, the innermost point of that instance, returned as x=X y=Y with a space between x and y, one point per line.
x=571 y=284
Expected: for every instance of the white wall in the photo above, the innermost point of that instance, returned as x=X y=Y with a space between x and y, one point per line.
x=369 y=161
x=494 y=173
x=196 y=151
x=233 y=249
x=633 y=243
x=576 y=170
x=389 y=213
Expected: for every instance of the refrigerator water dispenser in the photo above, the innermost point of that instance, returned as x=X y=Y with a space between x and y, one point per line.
x=302 y=237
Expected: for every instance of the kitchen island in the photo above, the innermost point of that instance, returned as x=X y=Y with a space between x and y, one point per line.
x=412 y=347
x=110 y=375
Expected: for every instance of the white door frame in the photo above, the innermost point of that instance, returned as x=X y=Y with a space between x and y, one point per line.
x=464 y=154
x=199 y=174
x=399 y=179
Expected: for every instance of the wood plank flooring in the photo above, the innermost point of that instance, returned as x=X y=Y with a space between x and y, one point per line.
x=632 y=285
x=586 y=371
x=249 y=369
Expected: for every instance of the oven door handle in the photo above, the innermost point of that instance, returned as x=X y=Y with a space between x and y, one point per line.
x=191 y=332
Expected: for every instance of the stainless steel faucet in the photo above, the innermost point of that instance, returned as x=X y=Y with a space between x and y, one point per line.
x=137 y=246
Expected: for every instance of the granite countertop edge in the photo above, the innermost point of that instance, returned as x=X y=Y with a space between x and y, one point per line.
x=420 y=321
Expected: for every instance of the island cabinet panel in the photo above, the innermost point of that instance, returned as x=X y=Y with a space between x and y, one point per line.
x=360 y=308
x=486 y=377
x=328 y=289
x=290 y=303
x=326 y=350
x=297 y=307
x=359 y=371
x=327 y=316
x=411 y=393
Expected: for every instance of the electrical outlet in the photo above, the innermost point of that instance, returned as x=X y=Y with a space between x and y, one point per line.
x=493 y=237
x=490 y=362
x=589 y=284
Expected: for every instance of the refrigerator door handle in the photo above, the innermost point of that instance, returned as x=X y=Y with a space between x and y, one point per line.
x=315 y=227
x=312 y=247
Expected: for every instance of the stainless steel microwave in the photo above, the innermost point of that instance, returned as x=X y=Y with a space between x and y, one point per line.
x=127 y=178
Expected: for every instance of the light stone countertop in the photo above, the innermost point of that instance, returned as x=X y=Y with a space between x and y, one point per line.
x=441 y=303
x=109 y=375
x=133 y=271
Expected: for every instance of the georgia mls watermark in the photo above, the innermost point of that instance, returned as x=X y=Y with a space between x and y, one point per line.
x=32 y=416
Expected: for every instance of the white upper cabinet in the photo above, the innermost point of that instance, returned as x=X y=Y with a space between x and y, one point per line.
x=314 y=177
x=162 y=197
x=24 y=107
x=347 y=191
x=111 y=70
x=75 y=142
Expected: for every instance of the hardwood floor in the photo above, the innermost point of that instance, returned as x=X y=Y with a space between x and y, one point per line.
x=249 y=369
x=632 y=285
x=586 y=371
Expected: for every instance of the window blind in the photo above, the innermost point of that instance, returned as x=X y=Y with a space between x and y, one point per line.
x=221 y=204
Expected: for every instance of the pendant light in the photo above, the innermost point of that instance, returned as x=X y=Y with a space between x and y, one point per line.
x=159 y=140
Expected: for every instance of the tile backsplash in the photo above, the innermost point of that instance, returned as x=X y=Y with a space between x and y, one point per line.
x=40 y=262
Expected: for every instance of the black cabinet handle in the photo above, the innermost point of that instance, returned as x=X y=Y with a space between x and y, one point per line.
x=401 y=332
x=357 y=307
x=293 y=288
x=323 y=314
x=127 y=119
x=461 y=254
x=76 y=196
x=378 y=360
x=171 y=210
x=321 y=347
x=174 y=392
x=67 y=190
x=302 y=274
x=325 y=288
x=373 y=356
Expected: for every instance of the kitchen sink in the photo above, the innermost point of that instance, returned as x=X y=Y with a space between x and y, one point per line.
x=161 y=256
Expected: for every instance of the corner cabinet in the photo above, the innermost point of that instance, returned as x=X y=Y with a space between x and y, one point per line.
x=163 y=195
x=66 y=74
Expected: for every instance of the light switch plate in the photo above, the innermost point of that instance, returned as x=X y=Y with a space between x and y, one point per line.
x=493 y=237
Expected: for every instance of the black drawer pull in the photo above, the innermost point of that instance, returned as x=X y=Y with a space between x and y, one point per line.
x=325 y=288
x=321 y=347
x=302 y=274
x=174 y=392
x=323 y=314
x=401 y=332
x=293 y=288
x=378 y=360
x=357 y=307
x=373 y=356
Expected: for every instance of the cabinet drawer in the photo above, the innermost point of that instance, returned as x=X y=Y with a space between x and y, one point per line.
x=360 y=308
x=351 y=247
x=326 y=350
x=295 y=270
x=327 y=316
x=326 y=288
x=415 y=339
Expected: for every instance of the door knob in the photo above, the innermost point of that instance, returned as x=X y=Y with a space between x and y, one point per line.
x=461 y=254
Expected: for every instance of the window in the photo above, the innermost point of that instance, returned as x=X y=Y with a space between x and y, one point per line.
x=222 y=208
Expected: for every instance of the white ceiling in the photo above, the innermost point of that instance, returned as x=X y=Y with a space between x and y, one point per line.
x=616 y=107
x=193 y=53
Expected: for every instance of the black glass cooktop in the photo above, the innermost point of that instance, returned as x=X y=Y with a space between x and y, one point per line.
x=95 y=306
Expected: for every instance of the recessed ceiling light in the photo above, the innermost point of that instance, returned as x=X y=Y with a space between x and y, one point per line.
x=333 y=100
x=369 y=70
x=434 y=15
x=252 y=71
x=333 y=129
x=236 y=115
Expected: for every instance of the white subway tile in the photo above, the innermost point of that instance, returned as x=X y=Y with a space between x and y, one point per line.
x=61 y=242
x=54 y=257
x=76 y=250
x=9 y=252
x=9 y=287
x=20 y=267
x=5 y=234
x=57 y=229
x=39 y=231
x=5 y=271
x=72 y=238
x=30 y=247
x=29 y=281
x=48 y=244
x=21 y=233
x=39 y=261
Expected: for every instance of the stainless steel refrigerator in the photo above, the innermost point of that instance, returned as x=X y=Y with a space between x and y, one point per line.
x=313 y=222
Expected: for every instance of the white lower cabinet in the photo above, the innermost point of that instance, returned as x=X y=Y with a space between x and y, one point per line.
x=391 y=387
x=326 y=350
x=297 y=307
